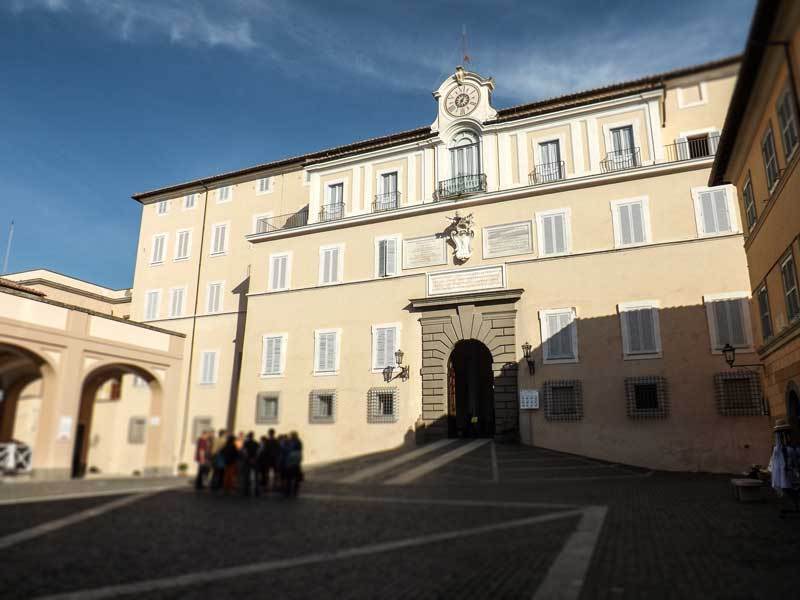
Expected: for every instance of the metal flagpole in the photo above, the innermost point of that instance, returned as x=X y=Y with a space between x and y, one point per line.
x=8 y=248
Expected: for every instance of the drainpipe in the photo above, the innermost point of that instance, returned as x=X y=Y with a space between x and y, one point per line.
x=185 y=428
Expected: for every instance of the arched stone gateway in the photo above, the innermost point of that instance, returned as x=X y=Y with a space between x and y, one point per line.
x=454 y=331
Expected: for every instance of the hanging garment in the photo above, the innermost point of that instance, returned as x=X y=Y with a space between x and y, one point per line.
x=777 y=465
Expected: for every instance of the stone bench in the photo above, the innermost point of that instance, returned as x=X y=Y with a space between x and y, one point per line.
x=747 y=490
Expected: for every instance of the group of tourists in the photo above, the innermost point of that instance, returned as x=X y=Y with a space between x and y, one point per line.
x=248 y=466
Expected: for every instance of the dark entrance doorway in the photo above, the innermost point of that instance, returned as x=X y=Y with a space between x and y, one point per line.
x=470 y=391
x=793 y=408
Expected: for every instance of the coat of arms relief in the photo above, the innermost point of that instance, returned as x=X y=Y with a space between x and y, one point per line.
x=461 y=232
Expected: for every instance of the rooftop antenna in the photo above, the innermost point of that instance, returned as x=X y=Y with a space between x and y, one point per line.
x=8 y=248
x=464 y=56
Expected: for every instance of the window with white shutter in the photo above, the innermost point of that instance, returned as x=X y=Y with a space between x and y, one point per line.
x=273 y=353
x=728 y=320
x=387 y=254
x=162 y=207
x=559 y=335
x=219 y=238
x=787 y=119
x=330 y=264
x=553 y=230
x=789 y=277
x=764 y=313
x=183 y=244
x=770 y=158
x=214 y=294
x=279 y=272
x=749 y=203
x=385 y=342
x=159 y=249
x=177 y=297
x=224 y=194
x=189 y=201
x=641 y=336
x=152 y=300
x=208 y=367
x=631 y=219
x=712 y=208
x=263 y=185
x=326 y=355
x=263 y=223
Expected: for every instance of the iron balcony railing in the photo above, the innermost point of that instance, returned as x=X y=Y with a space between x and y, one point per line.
x=331 y=212
x=287 y=221
x=547 y=173
x=461 y=186
x=387 y=201
x=698 y=147
x=620 y=160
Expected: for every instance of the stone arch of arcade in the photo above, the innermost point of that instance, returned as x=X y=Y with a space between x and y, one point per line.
x=488 y=318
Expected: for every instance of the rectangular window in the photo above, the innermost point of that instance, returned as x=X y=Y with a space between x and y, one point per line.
x=749 y=203
x=137 y=427
x=385 y=342
x=267 y=407
x=563 y=400
x=335 y=194
x=738 y=393
x=224 y=194
x=712 y=211
x=162 y=207
x=330 y=264
x=219 y=238
x=183 y=244
x=152 y=301
x=159 y=249
x=553 y=232
x=189 y=201
x=201 y=424
x=559 y=334
x=322 y=406
x=550 y=167
x=770 y=159
x=326 y=352
x=624 y=153
x=387 y=256
x=382 y=405
x=631 y=222
x=279 y=272
x=764 y=313
x=787 y=119
x=641 y=337
x=646 y=397
x=263 y=185
x=728 y=321
x=262 y=224
x=176 y=301
x=214 y=296
x=273 y=355
x=139 y=382
x=208 y=367
x=789 y=277
x=389 y=183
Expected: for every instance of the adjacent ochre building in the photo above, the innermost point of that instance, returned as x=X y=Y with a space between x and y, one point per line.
x=580 y=227
x=758 y=154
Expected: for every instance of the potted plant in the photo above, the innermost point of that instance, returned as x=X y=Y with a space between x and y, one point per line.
x=183 y=468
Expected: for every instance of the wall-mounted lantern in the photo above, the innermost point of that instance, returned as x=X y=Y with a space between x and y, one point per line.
x=388 y=372
x=526 y=352
x=730 y=358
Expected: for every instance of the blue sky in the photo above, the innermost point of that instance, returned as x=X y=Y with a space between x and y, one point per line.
x=103 y=98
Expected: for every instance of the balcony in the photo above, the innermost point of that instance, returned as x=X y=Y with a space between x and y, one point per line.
x=331 y=212
x=461 y=186
x=287 y=221
x=694 y=147
x=547 y=173
x=621 y=160
x=388 y=201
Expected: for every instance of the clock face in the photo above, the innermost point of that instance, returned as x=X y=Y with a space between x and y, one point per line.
x=462 y=100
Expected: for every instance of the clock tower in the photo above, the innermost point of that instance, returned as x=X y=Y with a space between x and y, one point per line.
x=463 y=98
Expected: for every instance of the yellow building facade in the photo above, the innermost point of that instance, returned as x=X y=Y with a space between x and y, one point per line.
x=559 y=273
x=758 y=154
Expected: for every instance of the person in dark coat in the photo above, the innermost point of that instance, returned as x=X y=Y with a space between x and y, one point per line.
x=249 y=459
x=230 y=454
x=293 y=473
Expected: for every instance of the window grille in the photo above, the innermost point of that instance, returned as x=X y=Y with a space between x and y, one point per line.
x=647 y=397
x=738 y=393
x=563 y=400
x=267 y=407
x=199 y=425
x=382 y=405
x=322 y=406
x=136 y=430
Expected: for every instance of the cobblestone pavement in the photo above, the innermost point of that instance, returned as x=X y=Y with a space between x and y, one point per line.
x=460 y=520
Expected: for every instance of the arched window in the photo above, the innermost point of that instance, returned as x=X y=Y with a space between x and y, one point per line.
x=465 y=158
